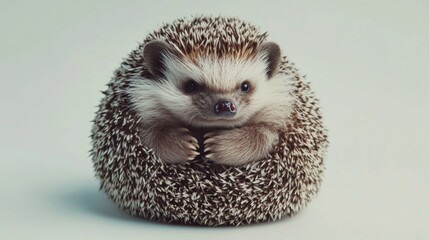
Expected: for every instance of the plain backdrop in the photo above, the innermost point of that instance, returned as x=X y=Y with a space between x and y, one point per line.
x=368 y=62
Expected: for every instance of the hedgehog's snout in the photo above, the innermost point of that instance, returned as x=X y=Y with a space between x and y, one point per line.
x=225 y=108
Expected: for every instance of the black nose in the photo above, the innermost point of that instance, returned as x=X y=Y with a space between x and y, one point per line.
x=225 y=107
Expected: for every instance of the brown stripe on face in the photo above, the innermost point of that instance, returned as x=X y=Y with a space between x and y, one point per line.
x=208 y=95
x=204 y=88
x=219 y=90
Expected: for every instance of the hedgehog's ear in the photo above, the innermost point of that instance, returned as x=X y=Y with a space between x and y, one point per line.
x=272 y=55
x=154 y=54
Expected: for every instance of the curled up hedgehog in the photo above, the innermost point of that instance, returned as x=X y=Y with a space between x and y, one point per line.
x=207 y=123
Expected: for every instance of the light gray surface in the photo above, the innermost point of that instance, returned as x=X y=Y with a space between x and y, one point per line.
x=367 y=61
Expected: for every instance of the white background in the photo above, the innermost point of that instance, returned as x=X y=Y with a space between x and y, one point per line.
x=368 y=63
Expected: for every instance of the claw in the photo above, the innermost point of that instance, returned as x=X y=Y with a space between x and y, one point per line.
x=210 y=140
x=209 y=135
x=194 y=155
x=193 y=140
x=209 y=155
x=207 y=149
x=191 y=146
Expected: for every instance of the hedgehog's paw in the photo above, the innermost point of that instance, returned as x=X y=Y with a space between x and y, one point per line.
x=238 y=146
x=227 y=147
x=176 y=146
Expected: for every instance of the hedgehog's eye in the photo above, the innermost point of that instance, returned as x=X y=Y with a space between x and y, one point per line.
x=191 y=86
x=245 y=86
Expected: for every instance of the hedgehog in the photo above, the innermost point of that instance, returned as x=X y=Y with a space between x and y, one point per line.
x=208 y=123
x=222 y=96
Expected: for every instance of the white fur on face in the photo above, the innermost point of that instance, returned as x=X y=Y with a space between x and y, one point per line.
x=271 y=96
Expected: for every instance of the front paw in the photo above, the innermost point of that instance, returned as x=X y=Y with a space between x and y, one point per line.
x=236 y=146
x=176 y=146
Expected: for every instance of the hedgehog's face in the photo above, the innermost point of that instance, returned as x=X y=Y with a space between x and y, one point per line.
x=208 y=91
